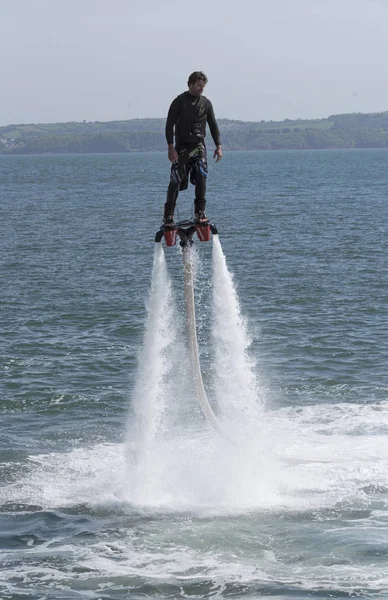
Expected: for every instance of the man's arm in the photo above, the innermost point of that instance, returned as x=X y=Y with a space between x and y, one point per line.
x=215 y=132
x=172 y=117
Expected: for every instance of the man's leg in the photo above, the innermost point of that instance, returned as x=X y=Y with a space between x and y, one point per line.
x=178 y=181
x=200 y=185
x=172 y=197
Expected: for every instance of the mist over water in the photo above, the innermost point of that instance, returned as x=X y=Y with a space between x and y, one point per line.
x=112 y=483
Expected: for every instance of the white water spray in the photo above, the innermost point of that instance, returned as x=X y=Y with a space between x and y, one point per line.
x=236 y=382
x=185 y=464
x=150 y=393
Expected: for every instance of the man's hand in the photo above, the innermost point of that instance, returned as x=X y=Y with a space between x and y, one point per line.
x=172 y=154
x=217 y=153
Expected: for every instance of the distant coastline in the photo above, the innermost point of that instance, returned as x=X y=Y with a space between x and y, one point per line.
x=355 y=130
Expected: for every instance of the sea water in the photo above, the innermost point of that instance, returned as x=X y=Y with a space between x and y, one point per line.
x=113 y=485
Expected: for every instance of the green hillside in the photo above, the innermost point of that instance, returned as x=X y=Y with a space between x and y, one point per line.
x=356 y=130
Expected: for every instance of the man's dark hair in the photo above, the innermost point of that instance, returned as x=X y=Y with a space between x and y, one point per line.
x=196 y=76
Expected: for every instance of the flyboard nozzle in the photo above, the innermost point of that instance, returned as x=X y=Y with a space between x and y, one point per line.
x=185 y=230
x=170 y=236
x=203 y=232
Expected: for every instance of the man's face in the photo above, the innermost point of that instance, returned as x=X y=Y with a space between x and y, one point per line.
x=196 y=89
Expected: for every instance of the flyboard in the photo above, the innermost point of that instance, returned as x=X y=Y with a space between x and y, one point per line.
x=185 y=230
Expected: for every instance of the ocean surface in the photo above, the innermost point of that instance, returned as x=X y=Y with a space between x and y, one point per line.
x=112 y=483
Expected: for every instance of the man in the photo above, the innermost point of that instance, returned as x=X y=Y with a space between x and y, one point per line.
x=188 y=114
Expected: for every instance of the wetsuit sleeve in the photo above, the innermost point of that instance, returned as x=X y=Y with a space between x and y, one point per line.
x=211 y=119
x=172 y=117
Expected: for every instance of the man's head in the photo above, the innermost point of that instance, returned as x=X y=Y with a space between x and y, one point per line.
x=196 y=83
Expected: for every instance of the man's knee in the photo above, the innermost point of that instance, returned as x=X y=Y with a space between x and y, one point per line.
x=202 y=169
x=198 y=174
x=176 y=175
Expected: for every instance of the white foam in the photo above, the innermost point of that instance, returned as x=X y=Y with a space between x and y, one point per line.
x=301 y=460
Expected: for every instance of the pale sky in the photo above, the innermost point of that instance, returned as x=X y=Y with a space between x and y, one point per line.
x=102 y=60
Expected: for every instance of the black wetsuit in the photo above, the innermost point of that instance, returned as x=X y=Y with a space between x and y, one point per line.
x=189 y=115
